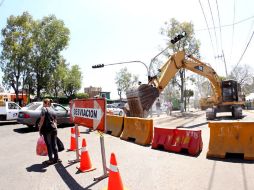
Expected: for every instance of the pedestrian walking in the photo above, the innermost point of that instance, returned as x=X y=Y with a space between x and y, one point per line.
x=48 y=128
x=169 y=107
x=158 y=107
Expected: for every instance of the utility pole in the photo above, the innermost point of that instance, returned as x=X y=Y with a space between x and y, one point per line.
x=223 y=57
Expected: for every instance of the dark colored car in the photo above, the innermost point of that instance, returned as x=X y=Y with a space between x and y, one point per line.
x=30 y=115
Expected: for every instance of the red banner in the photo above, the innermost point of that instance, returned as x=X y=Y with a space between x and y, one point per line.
x=89 y=112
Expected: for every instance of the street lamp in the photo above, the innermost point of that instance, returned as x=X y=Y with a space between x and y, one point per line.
x=119 y=63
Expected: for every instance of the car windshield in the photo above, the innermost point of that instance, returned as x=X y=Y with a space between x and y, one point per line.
x=110 y=106
x=34 y=106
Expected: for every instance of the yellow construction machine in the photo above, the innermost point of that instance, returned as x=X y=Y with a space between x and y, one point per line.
x=226 y=97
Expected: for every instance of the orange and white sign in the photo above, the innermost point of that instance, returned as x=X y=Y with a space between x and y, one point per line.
x=89 y=112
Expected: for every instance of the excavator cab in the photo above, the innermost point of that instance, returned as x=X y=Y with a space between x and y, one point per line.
x=230 y=90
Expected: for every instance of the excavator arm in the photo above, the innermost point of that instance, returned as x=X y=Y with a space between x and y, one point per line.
x=141 y=99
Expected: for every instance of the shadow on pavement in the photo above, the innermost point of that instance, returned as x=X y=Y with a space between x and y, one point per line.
x=219 y=118
x=233 y=158
x=211 y=180
x=24 y=130
x=183 y=152
x=8 y=123
x=69 y=180
x=193 y=126
x=37 y=168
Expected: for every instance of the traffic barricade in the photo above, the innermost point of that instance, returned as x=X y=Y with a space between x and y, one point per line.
x=174 y=140
x=162 y=137
x=114 y=125
x=139 y=129
x=231 y=137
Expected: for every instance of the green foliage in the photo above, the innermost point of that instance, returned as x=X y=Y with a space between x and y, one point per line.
x=82 y=95
x=72 y=82
x=31 y=53
x=17 y=44
x=125 y=80
x=188 y=93
x=56 y=85
x=50 y=37
x=189 y=44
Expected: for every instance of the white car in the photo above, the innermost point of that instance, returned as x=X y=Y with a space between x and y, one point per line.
x=113 y=109
x=9 y=111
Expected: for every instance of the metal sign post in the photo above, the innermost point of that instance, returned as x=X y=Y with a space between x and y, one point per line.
x=77 y=146
x=105 y=174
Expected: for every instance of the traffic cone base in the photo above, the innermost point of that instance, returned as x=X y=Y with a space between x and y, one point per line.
x=107 y=188
x=88 y=170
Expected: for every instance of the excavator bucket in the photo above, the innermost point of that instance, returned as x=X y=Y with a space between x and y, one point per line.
x=140 y=100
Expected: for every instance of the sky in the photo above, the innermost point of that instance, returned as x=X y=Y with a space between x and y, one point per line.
x=110 y=31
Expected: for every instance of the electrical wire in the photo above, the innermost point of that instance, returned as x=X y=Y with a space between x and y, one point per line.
x=221 y=39
x=213 y=25
x=227 y=25
x=244 y=51
x=207 y=27
x=233 y=31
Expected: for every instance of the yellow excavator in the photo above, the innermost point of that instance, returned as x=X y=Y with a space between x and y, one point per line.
x=226 y=97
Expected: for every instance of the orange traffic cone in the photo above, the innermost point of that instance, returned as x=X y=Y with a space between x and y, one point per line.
x=73 y=140
x=85 y=162
x=114 y=181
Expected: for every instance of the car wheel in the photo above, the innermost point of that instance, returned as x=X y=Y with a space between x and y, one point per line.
x=120 y=113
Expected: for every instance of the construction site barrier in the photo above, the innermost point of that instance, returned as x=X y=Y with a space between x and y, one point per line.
x=231 y=137
x=138 y=129
x=174 y=140
x=114 y=125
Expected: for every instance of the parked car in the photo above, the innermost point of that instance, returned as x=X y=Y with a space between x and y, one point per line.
x=30 y=116
x=119 y=104
x=113 y=109
x=9 y=110
x=28 y=105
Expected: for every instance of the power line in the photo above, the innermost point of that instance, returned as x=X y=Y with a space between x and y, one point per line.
x=221 y=39
x=213 y=24
x=233 y=31
x=219 y=24
x=207 y=26
x=227 y=25
x=244 y=51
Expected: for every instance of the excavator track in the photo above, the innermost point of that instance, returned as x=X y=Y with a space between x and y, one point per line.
x=140 y=100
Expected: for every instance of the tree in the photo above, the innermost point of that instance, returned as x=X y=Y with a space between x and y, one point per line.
x=189 y=44
x=17 y=44
x=72 y=83
x=82 y=95
x=125 y=80
x=50 y=38
x=244 y=76
x=187 y=94
x=56 y=85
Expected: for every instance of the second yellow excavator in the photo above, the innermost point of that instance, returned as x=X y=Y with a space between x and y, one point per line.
x=226 y=97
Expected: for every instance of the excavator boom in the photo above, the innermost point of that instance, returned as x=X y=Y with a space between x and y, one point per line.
x=140 y=100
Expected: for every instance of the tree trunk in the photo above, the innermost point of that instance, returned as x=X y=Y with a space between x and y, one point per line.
x=182 y=89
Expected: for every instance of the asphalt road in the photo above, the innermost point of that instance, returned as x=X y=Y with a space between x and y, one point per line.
x=141 y=167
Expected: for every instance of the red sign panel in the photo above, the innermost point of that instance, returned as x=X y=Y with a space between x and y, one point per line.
x=89 y=112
